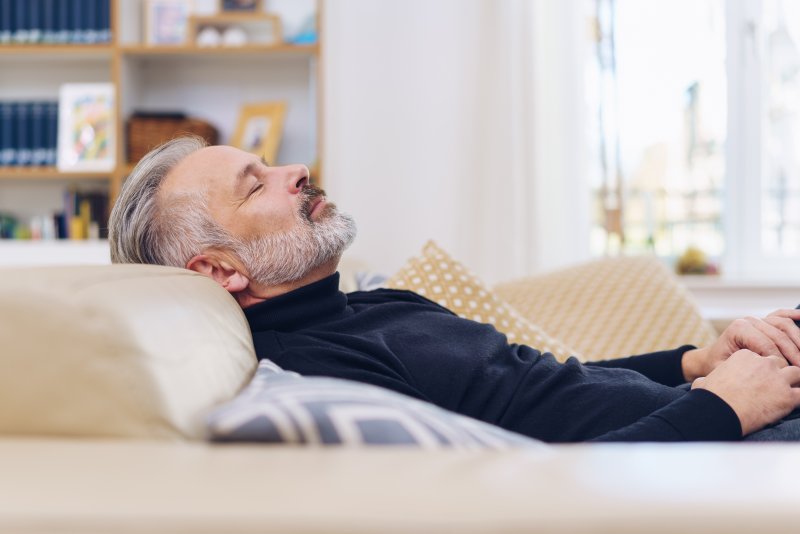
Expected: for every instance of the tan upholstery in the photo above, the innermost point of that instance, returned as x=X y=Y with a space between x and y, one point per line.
x=118 y=350
x=95 y=487
x=437 y=276
x=611 y=307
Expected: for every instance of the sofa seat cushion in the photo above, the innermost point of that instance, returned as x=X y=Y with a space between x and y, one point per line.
x=117 y=350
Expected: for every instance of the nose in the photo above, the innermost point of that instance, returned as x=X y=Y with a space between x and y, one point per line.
x=296 y=178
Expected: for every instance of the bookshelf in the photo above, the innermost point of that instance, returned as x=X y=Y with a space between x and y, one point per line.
x=208 y=83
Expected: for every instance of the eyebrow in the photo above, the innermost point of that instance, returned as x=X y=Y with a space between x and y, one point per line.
x=247 y=170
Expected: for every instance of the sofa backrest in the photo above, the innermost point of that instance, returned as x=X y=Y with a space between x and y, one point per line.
x=117 y=350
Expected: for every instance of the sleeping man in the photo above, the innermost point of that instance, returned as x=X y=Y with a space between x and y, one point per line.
x=273 y=240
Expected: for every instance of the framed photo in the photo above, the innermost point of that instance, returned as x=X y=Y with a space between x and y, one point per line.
x=260 y=128
x=247 y=6
x=86 y=139
x=167 y=22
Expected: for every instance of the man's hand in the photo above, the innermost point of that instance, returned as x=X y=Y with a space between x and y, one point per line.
x=776 y=334
x=761 y=390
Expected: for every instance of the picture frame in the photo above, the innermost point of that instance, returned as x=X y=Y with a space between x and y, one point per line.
x=259 y=129
x=86 y=128
x=239 y=6
x=167 y=22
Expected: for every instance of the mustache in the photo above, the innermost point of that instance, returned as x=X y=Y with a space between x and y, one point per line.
x=308 y=196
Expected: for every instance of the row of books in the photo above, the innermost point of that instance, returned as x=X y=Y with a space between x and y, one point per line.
x=28 y=133
x=55 y=21
x=85 y=216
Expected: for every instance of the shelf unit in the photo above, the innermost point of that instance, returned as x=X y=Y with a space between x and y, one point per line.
x=209 y=83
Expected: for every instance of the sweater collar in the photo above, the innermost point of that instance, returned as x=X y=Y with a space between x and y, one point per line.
x=299 y=308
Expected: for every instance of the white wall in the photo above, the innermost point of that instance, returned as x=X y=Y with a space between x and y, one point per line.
x=394 y=138
x=431 y=132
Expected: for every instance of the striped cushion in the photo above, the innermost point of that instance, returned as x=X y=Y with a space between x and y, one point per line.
x=283 y=407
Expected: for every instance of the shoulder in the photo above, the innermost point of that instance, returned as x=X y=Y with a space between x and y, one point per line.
x=384 y=295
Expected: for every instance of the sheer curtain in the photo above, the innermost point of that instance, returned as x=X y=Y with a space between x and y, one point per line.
x=460 y=121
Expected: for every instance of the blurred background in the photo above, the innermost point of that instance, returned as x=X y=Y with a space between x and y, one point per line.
x=521 y=135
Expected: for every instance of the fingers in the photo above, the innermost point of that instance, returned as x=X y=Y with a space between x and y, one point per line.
x=779 y=361
x=777 y=336
x=786 y=312
x=748 y=335
x=785 y=325
x=792 y=375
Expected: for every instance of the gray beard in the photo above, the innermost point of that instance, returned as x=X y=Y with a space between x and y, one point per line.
x=283 y=257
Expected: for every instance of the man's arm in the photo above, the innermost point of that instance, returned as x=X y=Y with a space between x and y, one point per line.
x=664 y=367
x=742 y=395
x=776 y=334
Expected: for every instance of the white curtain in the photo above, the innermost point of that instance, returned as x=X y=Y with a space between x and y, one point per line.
x=460 y=121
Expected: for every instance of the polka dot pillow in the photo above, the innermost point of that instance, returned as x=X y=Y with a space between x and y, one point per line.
x=438 y=277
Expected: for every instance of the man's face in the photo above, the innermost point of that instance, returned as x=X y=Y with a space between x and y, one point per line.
x=284 y=227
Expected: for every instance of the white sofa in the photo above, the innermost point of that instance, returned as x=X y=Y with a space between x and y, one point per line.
x=107 y=372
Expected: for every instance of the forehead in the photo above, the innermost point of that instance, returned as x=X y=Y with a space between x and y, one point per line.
x=212 y=169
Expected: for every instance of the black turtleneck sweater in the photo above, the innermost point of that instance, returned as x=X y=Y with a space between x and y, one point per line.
x=406 y=343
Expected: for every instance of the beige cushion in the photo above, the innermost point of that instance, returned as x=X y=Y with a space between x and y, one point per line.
x=118 y=350
x=437 y=276
x=611 y=307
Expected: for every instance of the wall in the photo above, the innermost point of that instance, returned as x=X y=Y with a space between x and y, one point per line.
x=394 y=133
x=432 y=130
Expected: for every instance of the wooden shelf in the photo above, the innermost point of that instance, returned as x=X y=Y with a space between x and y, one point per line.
x=281 y=49
x=100 y=51
x=49 y=173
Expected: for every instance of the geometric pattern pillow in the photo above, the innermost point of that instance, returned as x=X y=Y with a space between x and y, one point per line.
x=438 y=277
x=612 y=307
x=283 y=407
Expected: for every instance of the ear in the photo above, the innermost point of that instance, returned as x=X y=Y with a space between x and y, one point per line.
x=220 y=270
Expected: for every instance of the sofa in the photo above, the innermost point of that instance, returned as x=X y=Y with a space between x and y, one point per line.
x=110 y=377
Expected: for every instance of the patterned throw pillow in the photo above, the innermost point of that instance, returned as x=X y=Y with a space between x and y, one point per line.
x=611 y=307
x=283 y=407
x=438 y=277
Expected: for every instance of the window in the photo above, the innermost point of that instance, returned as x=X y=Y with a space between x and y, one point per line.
x=695 y=129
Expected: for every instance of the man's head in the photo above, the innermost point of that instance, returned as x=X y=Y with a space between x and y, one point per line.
x=257 y=230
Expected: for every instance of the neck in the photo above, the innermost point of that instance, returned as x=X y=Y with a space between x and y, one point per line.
x=256 y=293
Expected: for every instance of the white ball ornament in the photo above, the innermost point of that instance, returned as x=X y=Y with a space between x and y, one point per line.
x=234 y=36
x=208 y=37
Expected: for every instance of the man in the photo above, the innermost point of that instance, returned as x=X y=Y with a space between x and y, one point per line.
x=273 y=241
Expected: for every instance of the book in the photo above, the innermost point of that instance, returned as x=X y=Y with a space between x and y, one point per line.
x=62 y=21
x=8 y=152
x=104 y=21
x=23 y=134
x=38 y=133
x=6 y=21
x=52 y=132
x=49 y=21
x=21 y=9
x=34 y=21
x=90 y=20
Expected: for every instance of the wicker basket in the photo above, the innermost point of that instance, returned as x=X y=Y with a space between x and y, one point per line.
x=147 y=132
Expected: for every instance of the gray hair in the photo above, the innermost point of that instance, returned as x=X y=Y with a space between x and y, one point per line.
x=145 y=227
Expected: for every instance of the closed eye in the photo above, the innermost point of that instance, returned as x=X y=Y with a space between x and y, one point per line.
x=253 y=191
